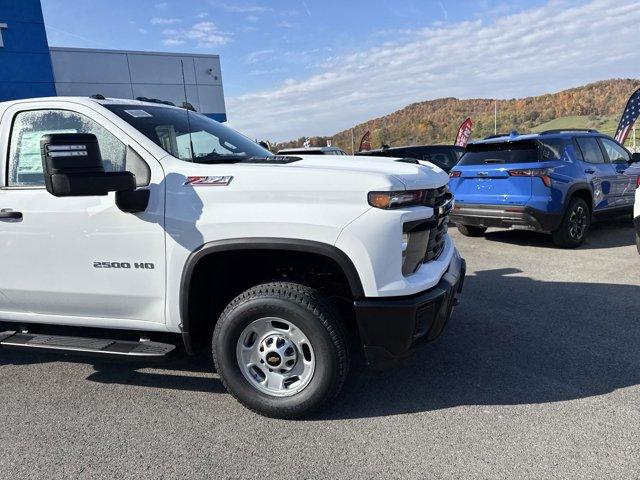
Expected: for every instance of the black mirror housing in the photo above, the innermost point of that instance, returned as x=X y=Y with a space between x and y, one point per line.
x=635 y=157
x=72 y=166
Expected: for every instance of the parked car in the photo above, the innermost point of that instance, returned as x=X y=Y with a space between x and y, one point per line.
x=557 y=181
x=312 y=151
x=444 y=156
x=150 y=219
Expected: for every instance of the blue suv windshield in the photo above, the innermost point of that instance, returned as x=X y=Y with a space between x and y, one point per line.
x=519 y=151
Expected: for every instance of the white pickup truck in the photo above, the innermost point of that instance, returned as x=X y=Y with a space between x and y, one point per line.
x=150 y=219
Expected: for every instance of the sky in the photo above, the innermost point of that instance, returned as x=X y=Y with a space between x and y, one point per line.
x=294 y=68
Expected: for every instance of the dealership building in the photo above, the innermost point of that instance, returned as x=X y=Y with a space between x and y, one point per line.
x=31 y=68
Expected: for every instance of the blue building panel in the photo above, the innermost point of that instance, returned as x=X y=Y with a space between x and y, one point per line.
x=24 y=55
x=26 y=68
x=21 y=11
x=21 y=37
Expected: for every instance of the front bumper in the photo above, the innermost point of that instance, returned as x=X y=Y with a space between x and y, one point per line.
x=505 y=216
x=391 y=326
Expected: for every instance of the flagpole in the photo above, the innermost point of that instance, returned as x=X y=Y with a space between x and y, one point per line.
x=353 y=146
x=495 y=117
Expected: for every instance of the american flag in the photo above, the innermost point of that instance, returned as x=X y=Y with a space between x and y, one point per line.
x=629 y=117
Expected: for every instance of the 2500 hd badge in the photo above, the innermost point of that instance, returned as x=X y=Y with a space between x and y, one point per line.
x=125 y=265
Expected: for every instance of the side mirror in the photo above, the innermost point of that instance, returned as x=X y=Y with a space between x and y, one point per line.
x=635 y=157
x=72 y=167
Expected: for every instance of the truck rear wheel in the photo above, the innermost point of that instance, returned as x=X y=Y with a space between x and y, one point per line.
x=280 y=350
x=471 y=230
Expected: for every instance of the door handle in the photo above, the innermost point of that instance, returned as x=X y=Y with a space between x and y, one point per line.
x=589 y=170
x=5 y=213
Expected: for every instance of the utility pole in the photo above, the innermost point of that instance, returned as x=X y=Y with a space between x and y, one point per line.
x=495 y=117
x=353 y=146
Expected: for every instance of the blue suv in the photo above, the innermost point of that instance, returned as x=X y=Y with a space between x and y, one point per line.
x=557 y=181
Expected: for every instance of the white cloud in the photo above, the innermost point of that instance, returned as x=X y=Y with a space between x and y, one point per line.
x=539 y=50
x=445 y=14
x=164 y=21
x=202 y=15
x=242 y=8
x=203 y=34
x=171 y=42
x=161 y=5
x=252 y=18
x=285 y=24
x=257 y=55
x=306 y=9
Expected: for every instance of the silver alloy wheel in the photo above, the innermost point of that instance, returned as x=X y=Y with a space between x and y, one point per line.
x=577 y=223
x=275 y=356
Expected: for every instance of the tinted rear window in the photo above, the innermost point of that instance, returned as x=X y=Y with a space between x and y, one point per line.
x=522 y=151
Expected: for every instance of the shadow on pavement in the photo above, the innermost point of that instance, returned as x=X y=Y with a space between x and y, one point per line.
x=513 y=340
x=616 y=232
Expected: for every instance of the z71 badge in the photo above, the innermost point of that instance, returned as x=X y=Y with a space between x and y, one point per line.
x=209 y=181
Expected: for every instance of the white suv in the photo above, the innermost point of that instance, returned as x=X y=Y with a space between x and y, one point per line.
x=151 y=219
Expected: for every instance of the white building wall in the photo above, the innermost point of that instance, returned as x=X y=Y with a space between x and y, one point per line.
x=124 y=74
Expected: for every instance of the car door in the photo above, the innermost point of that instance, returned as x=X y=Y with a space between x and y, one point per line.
x=598 y=172
x=625 y=181
x=77 y=260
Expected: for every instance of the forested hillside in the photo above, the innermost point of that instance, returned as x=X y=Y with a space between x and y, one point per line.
x=596 y=105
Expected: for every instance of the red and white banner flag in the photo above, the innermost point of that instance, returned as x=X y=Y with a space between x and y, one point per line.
x=464 y=133
x=365 y=142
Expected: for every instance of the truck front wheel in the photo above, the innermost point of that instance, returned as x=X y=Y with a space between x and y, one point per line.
x=280 y=350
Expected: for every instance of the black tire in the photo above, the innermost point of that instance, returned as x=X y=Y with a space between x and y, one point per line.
x=306 y=309
x=471 y=230
x=638 y=242
x=574 y=226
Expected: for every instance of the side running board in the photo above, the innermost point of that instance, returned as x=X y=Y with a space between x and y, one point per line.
x=86 y=346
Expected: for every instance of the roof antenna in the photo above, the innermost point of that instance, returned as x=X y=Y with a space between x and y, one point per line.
x=186 y=101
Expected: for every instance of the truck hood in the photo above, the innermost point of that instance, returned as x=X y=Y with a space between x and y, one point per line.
x=412 y=175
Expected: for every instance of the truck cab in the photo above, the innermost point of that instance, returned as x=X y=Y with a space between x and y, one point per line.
x=151 y=219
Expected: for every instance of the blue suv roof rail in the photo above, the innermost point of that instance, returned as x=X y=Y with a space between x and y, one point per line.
x=568 y=130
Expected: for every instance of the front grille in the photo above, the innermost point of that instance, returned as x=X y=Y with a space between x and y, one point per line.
x=435 y=197
x=426 y=238
x=436 y=238
x=439 y=200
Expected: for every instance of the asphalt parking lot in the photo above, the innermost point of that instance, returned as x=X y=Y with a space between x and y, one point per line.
x=536 y=376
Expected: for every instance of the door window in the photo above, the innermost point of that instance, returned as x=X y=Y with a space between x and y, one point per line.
x=615 y=152
x=591 y=152
x=25 y=163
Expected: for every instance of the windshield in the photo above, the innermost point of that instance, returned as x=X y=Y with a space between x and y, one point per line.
x=192 y=137
x=521 y=151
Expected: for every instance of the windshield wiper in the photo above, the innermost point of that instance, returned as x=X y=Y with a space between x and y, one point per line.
x=215 y=158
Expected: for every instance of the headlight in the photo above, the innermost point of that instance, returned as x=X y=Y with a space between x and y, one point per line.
x=396 y=199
